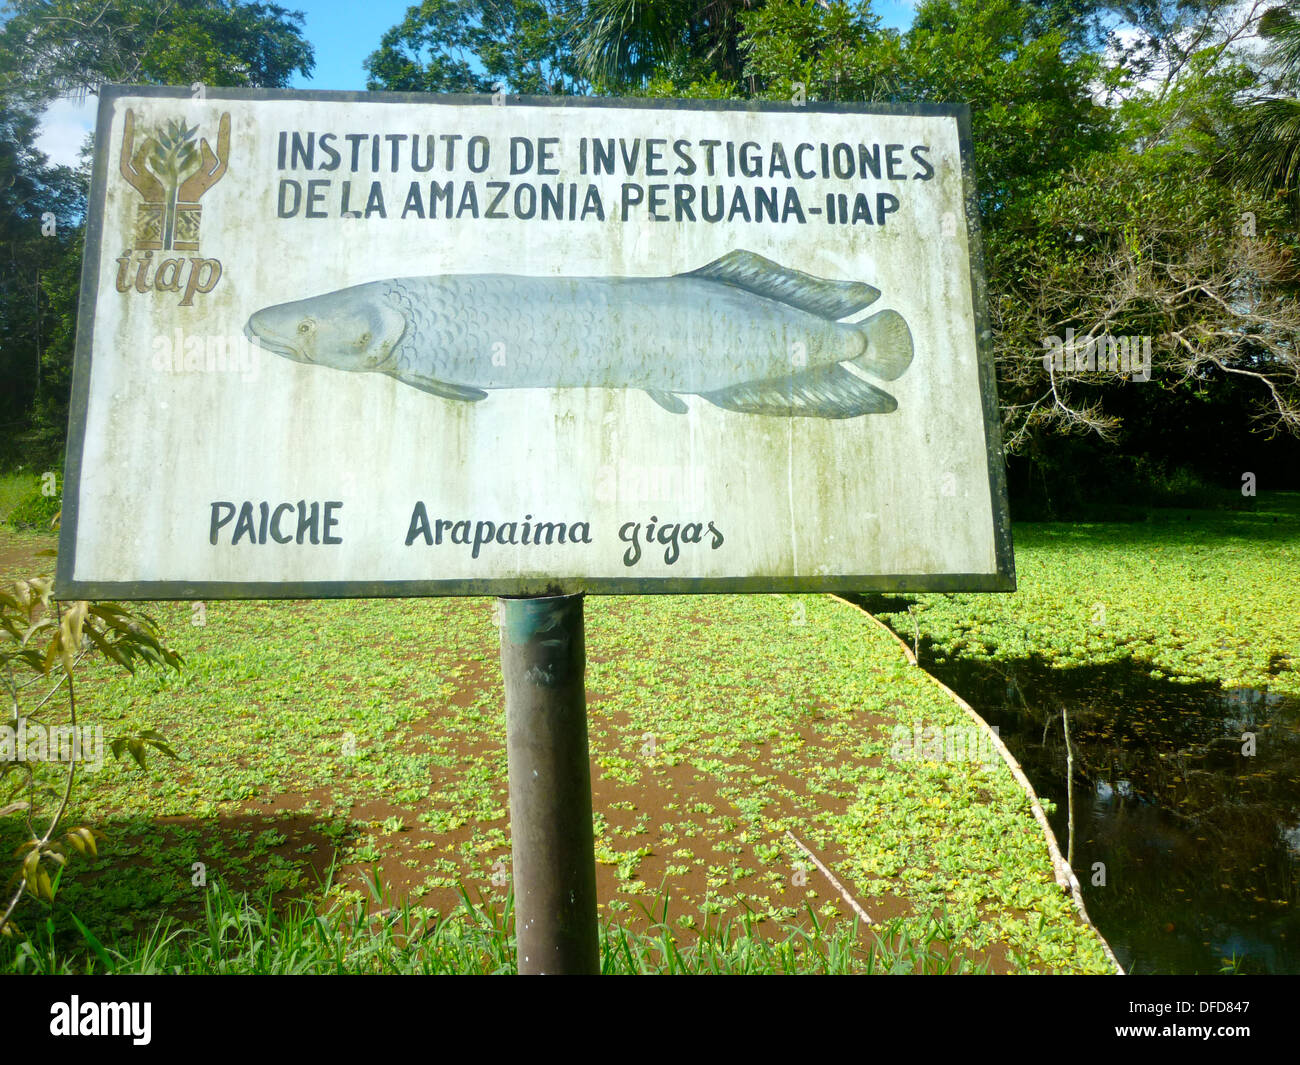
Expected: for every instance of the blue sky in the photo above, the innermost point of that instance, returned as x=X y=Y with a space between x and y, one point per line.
x=343 y=33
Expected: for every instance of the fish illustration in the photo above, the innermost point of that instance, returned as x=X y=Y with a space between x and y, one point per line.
x=743 y=333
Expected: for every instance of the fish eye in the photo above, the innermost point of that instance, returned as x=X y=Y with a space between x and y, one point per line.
x=364 y=340
x=306 y=325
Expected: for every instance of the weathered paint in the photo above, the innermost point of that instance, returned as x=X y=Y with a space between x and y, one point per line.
x=908 y=500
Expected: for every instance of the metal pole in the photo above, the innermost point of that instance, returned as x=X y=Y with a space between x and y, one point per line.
x=543 y=661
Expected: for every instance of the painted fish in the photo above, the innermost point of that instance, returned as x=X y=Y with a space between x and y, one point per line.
x=743 y=333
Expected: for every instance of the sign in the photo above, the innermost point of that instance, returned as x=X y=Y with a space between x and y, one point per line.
x=342 y=344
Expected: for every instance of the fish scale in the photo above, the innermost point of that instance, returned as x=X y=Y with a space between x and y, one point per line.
x=742 y=332
x=499 y=331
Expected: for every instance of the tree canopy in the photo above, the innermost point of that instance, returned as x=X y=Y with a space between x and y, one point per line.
x=53 y=46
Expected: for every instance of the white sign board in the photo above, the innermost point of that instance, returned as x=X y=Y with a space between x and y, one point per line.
x=359 y=344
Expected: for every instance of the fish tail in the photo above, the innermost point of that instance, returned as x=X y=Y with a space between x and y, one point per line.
x=887 y=345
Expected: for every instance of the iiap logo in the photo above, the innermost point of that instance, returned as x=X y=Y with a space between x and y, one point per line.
x=171 y=170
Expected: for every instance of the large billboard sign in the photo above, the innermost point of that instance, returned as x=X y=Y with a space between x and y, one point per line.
x=343 y=344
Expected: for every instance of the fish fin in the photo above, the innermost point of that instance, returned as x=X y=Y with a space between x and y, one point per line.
x=748 y=270
x=672 y=404
x=441 y=388
x=888 y=345
x=823 y=392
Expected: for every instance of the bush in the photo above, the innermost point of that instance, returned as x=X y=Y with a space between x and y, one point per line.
x=35 y=512
x=1081 y=487
x=42 y=642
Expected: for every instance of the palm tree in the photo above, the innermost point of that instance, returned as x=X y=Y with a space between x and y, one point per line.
x=1268 y=153
x=622 y=42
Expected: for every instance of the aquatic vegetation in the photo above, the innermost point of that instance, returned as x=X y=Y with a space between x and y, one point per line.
x=1199 y=595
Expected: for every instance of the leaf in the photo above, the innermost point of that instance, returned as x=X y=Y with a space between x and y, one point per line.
x=37 y=626
x=159 y=742
x=83 y=839
x=100 y=952
x=70 y=632
x=66 y=650
x=109 y=649
x=52 y=652
x=31 y=863
x=108 y=609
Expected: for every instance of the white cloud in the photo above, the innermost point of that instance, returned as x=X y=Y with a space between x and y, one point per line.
x=1233 y=22
x=64 y=127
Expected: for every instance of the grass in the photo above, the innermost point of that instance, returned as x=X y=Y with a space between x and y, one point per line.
x=17 y=487
x=240 y=935
x=370 y=733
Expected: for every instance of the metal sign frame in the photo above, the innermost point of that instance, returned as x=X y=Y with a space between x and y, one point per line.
x=1003 y=579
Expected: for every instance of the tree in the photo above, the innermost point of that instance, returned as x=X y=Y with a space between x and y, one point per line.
x=52 y=46
x=1148 y=249
x=1267 y=151
x=42 y=642
x=622 y=44
x=1031 y=102
x=40 y=211
x=475 y=46
x=1160 y=37
x=562 y=46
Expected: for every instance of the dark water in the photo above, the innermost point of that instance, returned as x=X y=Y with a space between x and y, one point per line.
x=1200 y=842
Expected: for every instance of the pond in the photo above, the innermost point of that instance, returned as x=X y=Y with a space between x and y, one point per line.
x=1186 y=805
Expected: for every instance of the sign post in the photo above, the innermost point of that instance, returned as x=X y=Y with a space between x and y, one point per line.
x=543 y=660
x=365 y=344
